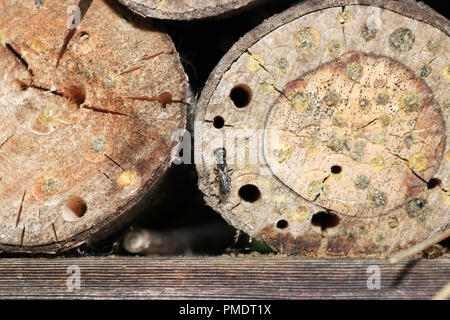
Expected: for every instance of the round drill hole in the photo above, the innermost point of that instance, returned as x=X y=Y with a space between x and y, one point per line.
x=336 y=169
x=241 y=95
x=249 y=193
x=433 y=183
x=218 y=122
x=325 y=220
x=84 y=36
x=282 y=224
x=74 y=209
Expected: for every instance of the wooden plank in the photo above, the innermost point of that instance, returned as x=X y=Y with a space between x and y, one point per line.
x=218 y=278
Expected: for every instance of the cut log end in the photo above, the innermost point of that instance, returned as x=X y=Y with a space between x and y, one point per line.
x=334 y=118
x=74 y=154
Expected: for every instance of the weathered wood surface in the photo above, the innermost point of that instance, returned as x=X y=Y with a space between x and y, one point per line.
x=188 y=9
x=79 y=146
x=219 y=278
x=334 y=116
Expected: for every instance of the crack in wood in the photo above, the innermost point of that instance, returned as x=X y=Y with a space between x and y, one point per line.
x=20 y=208
x=370 y=122
x=259 y=63
x=164 y=98
x=19 y=57
x=84 y=6
x=106 y=111
x=6 y=140
x=130 y=70
x=22 y=236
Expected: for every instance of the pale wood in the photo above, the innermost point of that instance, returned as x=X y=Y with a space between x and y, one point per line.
x=77 y=150
x=396 y=209
x=219 y=278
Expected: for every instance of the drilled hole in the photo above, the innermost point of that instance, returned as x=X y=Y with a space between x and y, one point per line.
x=282 y=224
x=249 y=193
x=325 y=220
x=336 y=169
x=218 y=122
x=241 y=95
x=433 y=183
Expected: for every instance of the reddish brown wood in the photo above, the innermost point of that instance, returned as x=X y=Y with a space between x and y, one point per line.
x=219 y=278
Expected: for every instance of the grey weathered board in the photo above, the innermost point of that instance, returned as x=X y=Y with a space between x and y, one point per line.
x=220 y=278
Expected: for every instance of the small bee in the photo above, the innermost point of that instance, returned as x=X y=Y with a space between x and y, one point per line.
x=222 y=173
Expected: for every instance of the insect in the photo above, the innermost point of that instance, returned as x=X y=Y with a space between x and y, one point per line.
x=222 y=173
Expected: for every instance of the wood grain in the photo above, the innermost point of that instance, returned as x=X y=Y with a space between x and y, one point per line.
x=220 y=278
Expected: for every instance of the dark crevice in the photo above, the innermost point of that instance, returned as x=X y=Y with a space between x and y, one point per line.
x=261 y=65
x=22 y=236
x=20 y=58
x=281 y=93
x=20 y=208
x=25 y=86
x=7 y=139
x=54 y=232
x=407 y=163
x=74 y=94
x=325 y=220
